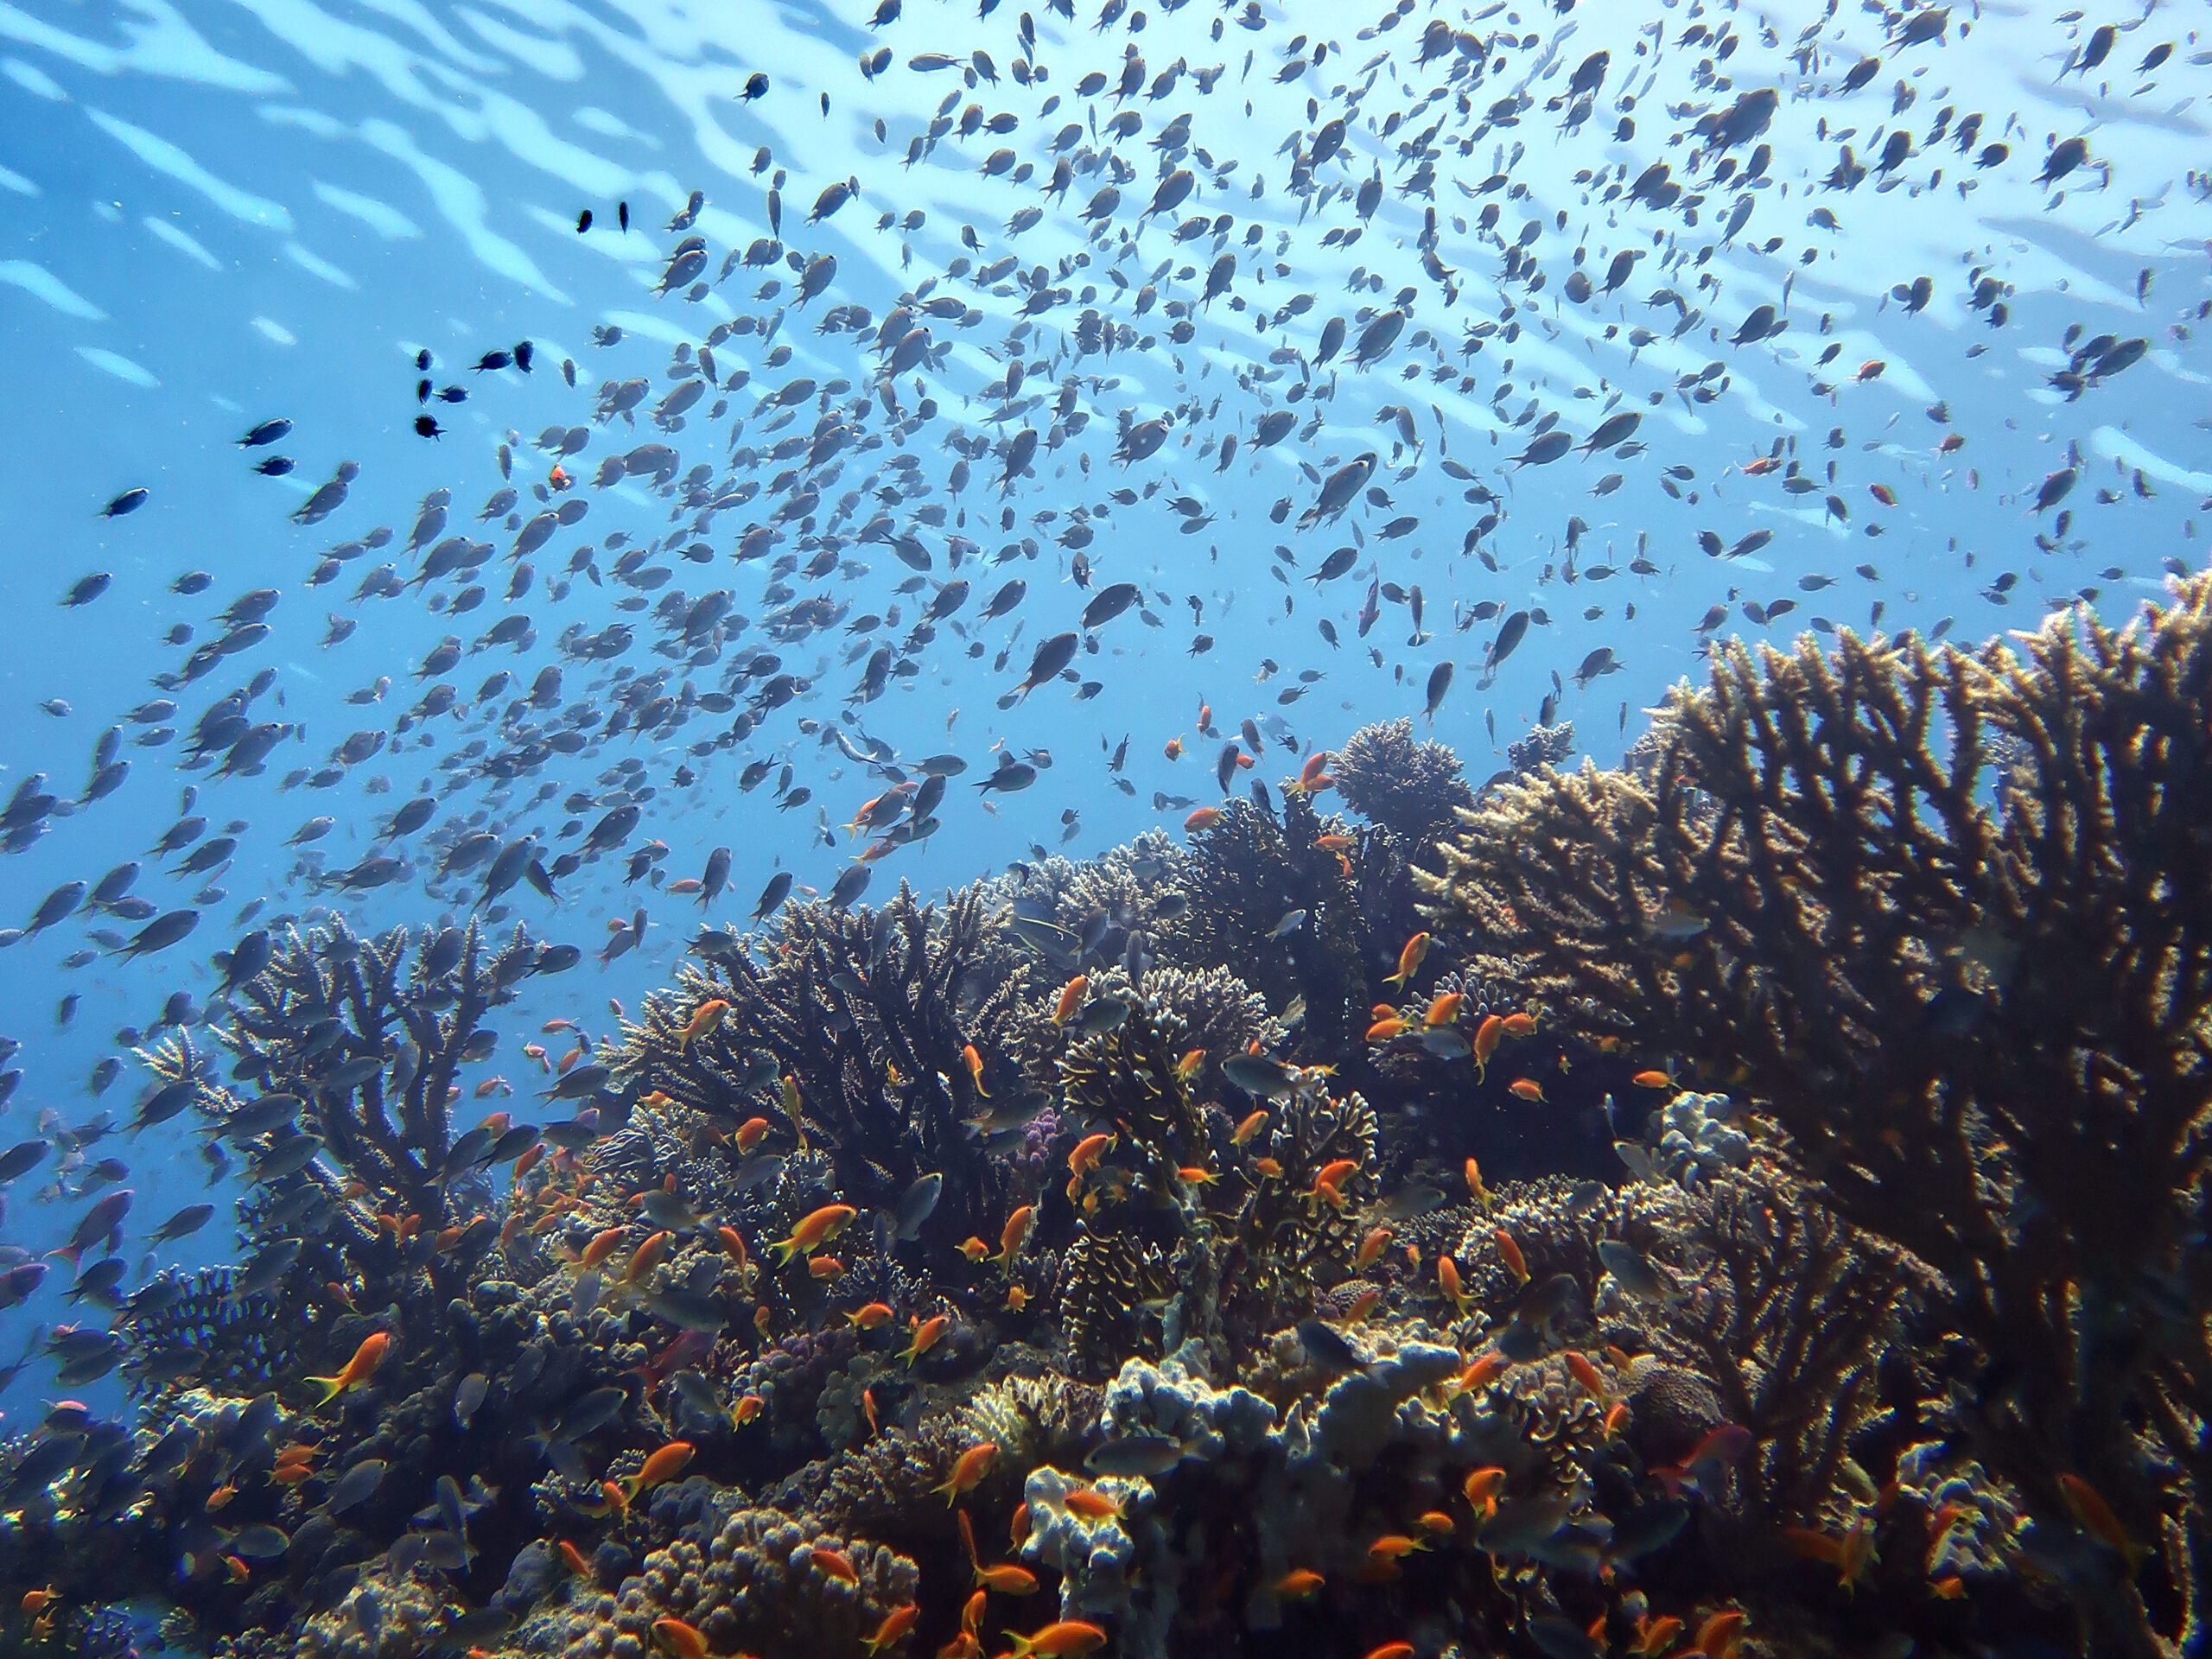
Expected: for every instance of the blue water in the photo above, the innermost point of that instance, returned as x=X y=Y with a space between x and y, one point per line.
x=217 y=216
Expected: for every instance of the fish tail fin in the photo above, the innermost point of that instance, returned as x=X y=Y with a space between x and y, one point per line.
x=332 y=1387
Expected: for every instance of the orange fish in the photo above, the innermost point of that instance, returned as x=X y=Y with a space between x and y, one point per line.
x=1310 y=775
x=1483 y=1487
x=747 y=1407
x=684 y=1640
x=1762 y=466
x=1437 y=1522
x=1087 y=1153
x=1525 y=1088
x=1250 y=1127
x=1654 y=1636
x=2095 y=1516
x=1871 y=369
x=924 y=1338
x=1015 y=1232
x=1301 y=1584
x=663 y=1466
x=358 y=1371
x=1393 y=1650
x=974 y=1248
x=896 y=1623
x=1072 y=995
x=1371 y=1247
x=1591 y=1379
x=574 y=1560
x=1065 y=1640
x=646 y=1258
x=1519 y=1024
x=1091 y=1503
x=751 y=1133
x=974 y=1463
x=733 y=1243
x=816 y=1229
x=1722 y=1634
x=1362 y=1305
x=1393 y=1545
x=1475 y=1190
x=867 y=1406
x=1016 y=1298
x=1204 y=818
x=1488 y=1034
x=1882 y=494
x=1174 y=748
x=705 y=1020
x=1384 y=1030
x=1447 y=1279
x=1443 y=1009
x=1409 y=960
x=1007 y=1580
x=1187 y=1067
x=1335 y=843
x=832 y=1564
x=975 y=1062
x=825 y=1269
x=1516 y=1263
x=1951 y=445
x=1653 y=1080
x=867 y=1318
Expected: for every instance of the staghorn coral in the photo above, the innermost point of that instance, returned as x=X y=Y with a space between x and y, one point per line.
x=1945 y=915
x=850 y=999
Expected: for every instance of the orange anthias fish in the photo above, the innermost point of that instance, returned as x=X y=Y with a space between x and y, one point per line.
x=358 y=1371
x=1487 y=1037
x=1089 y=1502
x=975 y=1063
x=1442 y=1009
x=1250 y=1127
x=664 y=1465
x=1409 y=960
x=684 y=1640
x=1204 y=818
x=1301 y=1584
x=974 y=1463
x=1448 y=1279
x=2096 y=1517
x=1072 y=995
x=1483 y=1487
x=925 y=1335
x=1087 y=1153
x=896 y=1623
x=1015 y=1234
x=816 y=1229
x=1525 y=1088
x=867 y=1318
x=1516 y=1263
x=705 y=1020
x=1065 y=1640
x=1007 y=1579
x=1475 y=1190
x=1187 y=1067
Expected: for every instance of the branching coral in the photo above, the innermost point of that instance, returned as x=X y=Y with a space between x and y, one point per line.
x=1948 y=918
x=867 y=1012
x=1412 y=788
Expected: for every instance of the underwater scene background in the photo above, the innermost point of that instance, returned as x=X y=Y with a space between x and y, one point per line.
x=887 y=827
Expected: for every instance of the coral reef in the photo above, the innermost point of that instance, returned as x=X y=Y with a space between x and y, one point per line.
x=1940 y=916
x=1111 y=1243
